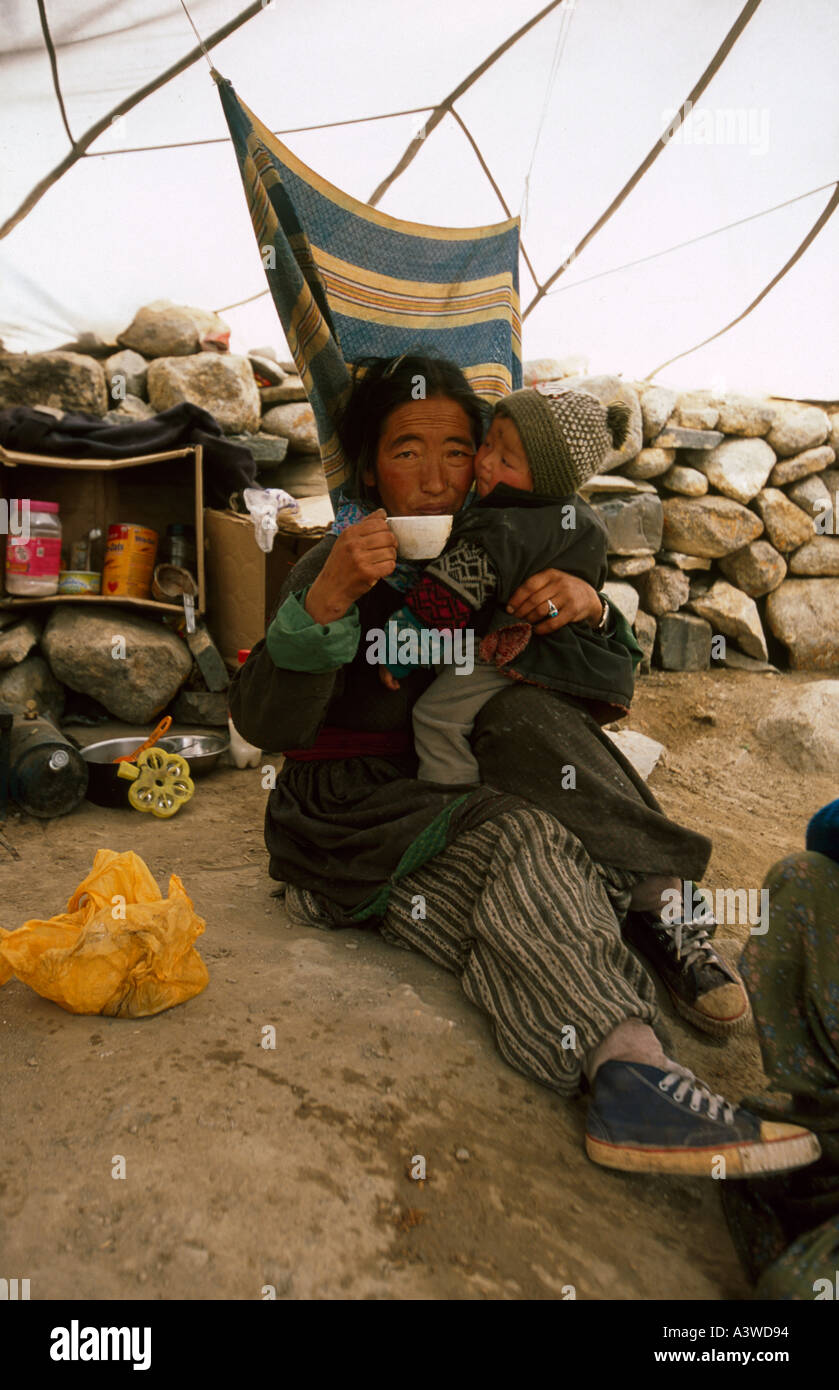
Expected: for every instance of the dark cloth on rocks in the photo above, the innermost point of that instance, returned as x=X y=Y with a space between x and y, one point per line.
x=355 y=819
x=228 y=467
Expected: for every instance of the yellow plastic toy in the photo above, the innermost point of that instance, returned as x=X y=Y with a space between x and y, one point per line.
x=160 y=782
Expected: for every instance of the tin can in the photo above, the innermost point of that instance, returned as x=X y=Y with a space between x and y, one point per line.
x=129 y=561
x=79 y=581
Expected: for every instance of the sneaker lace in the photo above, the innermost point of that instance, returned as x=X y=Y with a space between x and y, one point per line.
x=699 y=1092
x=691 y=939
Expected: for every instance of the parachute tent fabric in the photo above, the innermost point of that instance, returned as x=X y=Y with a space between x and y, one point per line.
x=350 y=282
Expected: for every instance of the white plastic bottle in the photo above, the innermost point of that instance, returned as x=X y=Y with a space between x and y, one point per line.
x=243 y=753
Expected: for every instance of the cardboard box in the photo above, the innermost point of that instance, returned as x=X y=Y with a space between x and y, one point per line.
x=153 y=490
x=243 y=582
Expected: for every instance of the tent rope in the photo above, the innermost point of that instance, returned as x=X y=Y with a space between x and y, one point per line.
x=824 y=217
x=201 y=44
x=691 y=241
x=566 y=15
x=291 y=130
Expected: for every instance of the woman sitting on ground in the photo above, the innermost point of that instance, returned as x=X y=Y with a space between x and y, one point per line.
x=519 y=885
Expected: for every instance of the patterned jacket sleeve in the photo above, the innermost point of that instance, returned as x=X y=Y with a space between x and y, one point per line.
x=450 y=594
x=454 y=588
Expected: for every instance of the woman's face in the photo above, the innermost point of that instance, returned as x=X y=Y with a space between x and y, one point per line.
x=424 y=462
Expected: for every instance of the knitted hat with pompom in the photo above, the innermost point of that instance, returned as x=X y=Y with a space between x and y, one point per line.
x=566 y=436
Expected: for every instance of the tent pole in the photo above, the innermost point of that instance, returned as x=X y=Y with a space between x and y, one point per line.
x=823 y=217
x=661 y=143
x=84 y=142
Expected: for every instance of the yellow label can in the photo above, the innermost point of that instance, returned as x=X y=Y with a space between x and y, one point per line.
x=129 y=561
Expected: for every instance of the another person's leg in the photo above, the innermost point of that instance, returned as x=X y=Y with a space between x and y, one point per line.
x=786 y=1229
x=518 y=911
x=444 y=717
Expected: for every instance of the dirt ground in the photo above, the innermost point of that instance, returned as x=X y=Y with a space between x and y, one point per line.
x=290 y=1168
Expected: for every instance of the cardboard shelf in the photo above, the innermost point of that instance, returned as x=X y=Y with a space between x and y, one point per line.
x=152 y=605
x=145 y=490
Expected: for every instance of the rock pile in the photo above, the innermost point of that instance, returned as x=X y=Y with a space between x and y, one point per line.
x=168 y=354
x=723 y=525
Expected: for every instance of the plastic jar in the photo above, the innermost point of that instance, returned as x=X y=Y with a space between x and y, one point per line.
x=32 y=565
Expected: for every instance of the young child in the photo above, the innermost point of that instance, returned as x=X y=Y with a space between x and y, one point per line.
x=525 y=518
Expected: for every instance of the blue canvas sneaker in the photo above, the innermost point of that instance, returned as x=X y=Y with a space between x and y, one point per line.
x=644 y=1120
x=704 y=989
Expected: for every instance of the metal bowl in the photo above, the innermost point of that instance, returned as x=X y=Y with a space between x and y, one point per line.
x=201 y=750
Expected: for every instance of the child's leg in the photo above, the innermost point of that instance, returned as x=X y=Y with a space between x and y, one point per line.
x=443 y=719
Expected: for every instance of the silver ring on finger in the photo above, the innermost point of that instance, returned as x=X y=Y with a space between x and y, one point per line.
x=553 y=611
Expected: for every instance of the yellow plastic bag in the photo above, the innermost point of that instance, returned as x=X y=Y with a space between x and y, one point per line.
x=120 y=948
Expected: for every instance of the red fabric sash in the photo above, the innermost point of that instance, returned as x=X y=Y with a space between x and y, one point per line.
x=350 y=743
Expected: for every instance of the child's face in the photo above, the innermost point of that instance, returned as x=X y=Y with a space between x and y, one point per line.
x=501 y=459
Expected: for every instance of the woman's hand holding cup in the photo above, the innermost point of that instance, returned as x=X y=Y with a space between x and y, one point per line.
x=362 y=554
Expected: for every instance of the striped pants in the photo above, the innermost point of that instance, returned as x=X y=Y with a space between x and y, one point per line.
x=530 y=925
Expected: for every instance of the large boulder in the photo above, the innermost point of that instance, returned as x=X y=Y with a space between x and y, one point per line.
x=650 y=463
x=797 y=427
x=804 y=615
x=224 y=385
x=289 y=391
x=624 y=597
x=610 y=390
x=657 y=405
x=32 y=679
x=645 y=627
x=733 y=613
x=711 y=526
x=164 y=329
x=744 y=415
x=628 y=566
x=688 y=482
x=553 y=368
x=633 y=523
x=638 y=749
x=811 y=495
x=683 y=642
x=664 y=590
x=803 y=726
x=737 y=468
x=684 y=562
x=819 y=556
x=296 y=423
x=802 y=465
x=61 y=380
x=17 y=641
x=697 y=410
x=787 y=526
x=132 y=408
x=126 y=375
x=84 y=652
x=757 y=569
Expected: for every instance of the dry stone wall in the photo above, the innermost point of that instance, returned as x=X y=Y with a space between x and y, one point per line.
x=722 y=510
x=723 y=526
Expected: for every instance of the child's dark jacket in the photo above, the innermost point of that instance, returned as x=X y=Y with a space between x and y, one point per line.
x=496 y=544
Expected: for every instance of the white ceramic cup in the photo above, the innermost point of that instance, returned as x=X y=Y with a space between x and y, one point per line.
x=420 y=537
